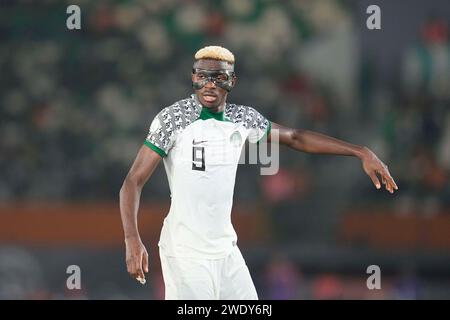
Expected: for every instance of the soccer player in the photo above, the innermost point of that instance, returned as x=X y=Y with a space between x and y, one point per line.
x=200 y=139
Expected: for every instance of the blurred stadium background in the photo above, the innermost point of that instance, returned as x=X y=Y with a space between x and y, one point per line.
x=75 y=106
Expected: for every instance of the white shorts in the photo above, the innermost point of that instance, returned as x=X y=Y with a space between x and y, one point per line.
x=207 y=279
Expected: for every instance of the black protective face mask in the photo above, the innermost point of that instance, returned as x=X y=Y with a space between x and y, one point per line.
x=221 y=78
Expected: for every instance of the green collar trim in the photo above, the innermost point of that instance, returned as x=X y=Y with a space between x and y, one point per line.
x=207 y=114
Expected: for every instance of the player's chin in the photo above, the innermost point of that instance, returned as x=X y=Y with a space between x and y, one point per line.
x=211 y=103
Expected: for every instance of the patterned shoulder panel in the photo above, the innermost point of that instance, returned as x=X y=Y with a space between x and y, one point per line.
x=250 y=118
x=180 y=114
x=170 y=121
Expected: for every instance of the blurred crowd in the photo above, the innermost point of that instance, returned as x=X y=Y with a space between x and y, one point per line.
x=76 y=105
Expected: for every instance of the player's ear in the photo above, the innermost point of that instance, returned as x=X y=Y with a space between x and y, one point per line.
x=233 y=82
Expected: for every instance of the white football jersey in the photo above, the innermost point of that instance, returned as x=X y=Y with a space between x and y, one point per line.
x=201 y=151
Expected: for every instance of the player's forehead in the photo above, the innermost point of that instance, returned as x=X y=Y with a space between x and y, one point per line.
x=210 y=64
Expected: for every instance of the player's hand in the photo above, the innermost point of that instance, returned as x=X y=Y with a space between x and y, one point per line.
x=376 y=169
x=136 y=258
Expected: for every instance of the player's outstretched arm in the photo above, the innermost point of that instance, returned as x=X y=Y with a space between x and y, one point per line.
x=313 y=142
x=136 y=255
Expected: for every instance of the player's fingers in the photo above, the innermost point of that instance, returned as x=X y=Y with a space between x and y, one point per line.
x=375 y=180
x=387 y=175
x=140 y=274
x=389 y=188
x=145 y=261
x=392 y=182
x=138 y=264
x=389 y=180
x=384 y=180
x=131 y=267
x=392 y=186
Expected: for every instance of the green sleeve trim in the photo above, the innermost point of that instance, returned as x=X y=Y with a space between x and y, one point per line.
x=155 y=148
x=269 y=127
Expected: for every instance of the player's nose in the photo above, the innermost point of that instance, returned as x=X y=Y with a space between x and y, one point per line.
x=210 y=84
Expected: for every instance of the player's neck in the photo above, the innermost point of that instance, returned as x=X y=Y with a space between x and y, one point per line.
x=218 y=109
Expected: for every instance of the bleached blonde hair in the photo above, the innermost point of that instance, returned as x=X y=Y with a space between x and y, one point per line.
x=215 y=53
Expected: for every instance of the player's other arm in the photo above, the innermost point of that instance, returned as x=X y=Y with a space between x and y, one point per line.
x=136 y=255
x=313 y=142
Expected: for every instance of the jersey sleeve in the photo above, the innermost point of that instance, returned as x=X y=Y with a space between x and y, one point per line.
x=260 y=127
x=161 y=134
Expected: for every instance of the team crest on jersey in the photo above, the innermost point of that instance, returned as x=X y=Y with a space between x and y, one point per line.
x=236 y=139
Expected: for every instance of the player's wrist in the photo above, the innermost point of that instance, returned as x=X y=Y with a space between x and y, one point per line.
x=362 y=152
x=132 y=237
